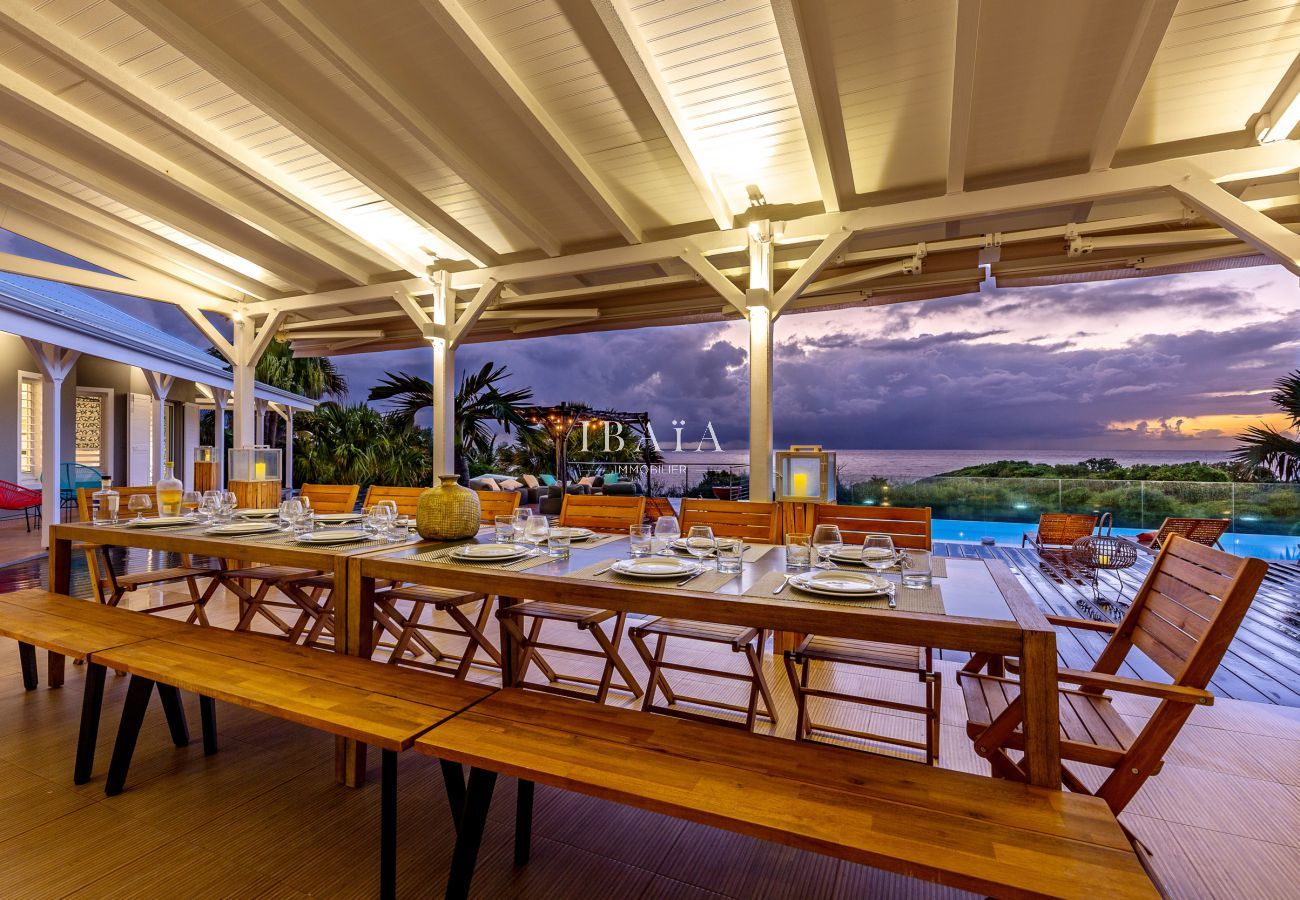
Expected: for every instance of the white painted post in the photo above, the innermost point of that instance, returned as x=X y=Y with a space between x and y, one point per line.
x=189 y=440
x=220 y=396
x=55 y=364
x=444 y=377
x=758 y=304
x=159 y=386
x=288 y=447
x=259 y=421
x=243 y=367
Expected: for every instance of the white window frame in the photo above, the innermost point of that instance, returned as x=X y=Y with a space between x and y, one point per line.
x=31 y=476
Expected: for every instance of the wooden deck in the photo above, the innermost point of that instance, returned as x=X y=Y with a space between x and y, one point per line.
x=264 y=818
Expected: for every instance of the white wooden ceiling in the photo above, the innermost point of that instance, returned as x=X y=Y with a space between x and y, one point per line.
x=257 y=150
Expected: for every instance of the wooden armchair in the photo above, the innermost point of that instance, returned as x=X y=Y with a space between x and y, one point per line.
x=1059 y=530
x=407 y=499
x=331 y=498
x=496 y=503
x=1183 y=618
x=908 y=527
x=1202 y=531
x=658 y=507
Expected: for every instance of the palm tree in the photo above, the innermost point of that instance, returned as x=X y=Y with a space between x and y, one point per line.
x=1274 y=450
x=358 y=445
x=480 y=404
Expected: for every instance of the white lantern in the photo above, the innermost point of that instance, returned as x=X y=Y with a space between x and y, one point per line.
x=805 y=473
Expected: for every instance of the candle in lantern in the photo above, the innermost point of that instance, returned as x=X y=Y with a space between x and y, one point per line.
x=259 y=470
x=801 y=484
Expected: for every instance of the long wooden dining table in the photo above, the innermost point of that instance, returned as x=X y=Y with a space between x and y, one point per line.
x=987 y=612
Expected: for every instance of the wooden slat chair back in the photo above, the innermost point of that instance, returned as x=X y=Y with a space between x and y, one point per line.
x=331 y=498
x=1183 y=618
x=602 y=513
x=110 y=586
x=745 y=519
x=407 y=499
x=496 y=503
x=658 y=507
x=908 y=527
x=1202 y=531
x=1061 y=529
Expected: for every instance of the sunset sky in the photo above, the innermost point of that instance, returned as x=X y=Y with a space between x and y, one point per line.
x=1177 y=362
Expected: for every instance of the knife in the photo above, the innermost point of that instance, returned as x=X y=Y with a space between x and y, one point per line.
x=690 y=578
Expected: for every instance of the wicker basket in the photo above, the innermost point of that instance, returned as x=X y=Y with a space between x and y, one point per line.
x=447 y=512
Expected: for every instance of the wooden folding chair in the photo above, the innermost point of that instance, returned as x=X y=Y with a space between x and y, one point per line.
x=331 y=498
x=110 y=586
x=754 y=522
x=524 y=621
x=909 y=528
x=1183 y=618
x=496 y=503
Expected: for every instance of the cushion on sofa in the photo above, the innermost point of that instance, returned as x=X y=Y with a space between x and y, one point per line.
x=509 y=485
x=530 y=480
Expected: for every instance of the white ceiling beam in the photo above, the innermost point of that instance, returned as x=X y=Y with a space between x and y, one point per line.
x=356 y=333
x=826 y=251
x=1271 y=238
x=963 y=92
x=21 y=17
x=1148 y=33
x=160 y=17
x=83 y=278
x=218 y=340
x=73 y=214
x=640 y=65
x=621 y=287
x=304 y=20
x=129 y=154
x=715 y=279
x=839 y=282
x=816 y=119
x=548 y=324
x=464 y=31
x=358 y=318
x=483 y=298
x=1281 y=111
x=516 y=314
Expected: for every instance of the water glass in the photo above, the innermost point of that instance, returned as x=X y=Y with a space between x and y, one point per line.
x=798 y=551
x=666 y=531
x=290 y=513
x=522 y=515
x=557 y=543
x=505 y=529
x=916 y=570
x=305 y=523
x=209 y=507
x=730 y=555
x=640 y=540
x=826 y=539
x=228 y=503
x=536 y=531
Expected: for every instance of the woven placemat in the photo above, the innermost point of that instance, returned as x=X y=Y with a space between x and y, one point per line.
x=599 y=540
x=921 y=600
x=707 y=581
x=265 y=539
x=443 y=557
x=752 y=553
x=938 y=564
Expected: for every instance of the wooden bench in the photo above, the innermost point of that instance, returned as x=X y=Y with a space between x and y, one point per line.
x=341 y=695
x=981 y=834
x=68 y=627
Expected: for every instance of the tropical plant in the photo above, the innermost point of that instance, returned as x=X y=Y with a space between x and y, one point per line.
x=482 y=406
x=357 y=444
x=1275 y=450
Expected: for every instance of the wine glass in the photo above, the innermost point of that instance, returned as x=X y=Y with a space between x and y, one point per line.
x=209 y=506
x=139 y=503
x=826 y=540
x=666 y=532
x=190 y=501
x=536 y=532
x=290 y=513
x=700 y=542
x=878 y=551
x=228 y=503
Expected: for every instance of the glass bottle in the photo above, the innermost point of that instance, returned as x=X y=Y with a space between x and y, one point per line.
x=169 y=490
x=104 y=503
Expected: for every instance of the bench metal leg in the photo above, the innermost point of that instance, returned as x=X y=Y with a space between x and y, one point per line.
x=133 y=710
x=478 y=797
x=453 y=776
x=175 y=712
x=208 y=715
x=524 y=823
x=27 y=659
x=92 y=701
x=388 y=826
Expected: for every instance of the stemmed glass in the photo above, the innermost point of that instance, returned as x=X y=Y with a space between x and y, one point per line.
x=290 y=514
x=190 y=501
x=209 y=506
x=228 y=503
x=700 y=542
x=666 y=532
x=536 y=531
x=878 y=552
x=826 y=540
x=139 y=503
x=380 y=520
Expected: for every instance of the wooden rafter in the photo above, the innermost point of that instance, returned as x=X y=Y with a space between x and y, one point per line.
x=963 y=91
x=817 y=117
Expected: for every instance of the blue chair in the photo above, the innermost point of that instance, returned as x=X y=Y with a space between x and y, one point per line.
x=73 y=476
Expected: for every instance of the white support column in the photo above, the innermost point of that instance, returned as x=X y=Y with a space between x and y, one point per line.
x=189 y=440
x=159 y=386
x=220 y=396
x=758 y=310
x=259 y=420
x=444 y=376
x=244 y=368
x=288 y=447
x=55 y=365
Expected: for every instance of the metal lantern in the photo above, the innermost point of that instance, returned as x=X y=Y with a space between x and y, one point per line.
x=254 y=464
x=805 y=473
x=204 y=454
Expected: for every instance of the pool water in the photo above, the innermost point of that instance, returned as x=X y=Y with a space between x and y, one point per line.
x=1264 y=546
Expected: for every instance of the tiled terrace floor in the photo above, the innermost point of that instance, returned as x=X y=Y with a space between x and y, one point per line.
x=264 y=818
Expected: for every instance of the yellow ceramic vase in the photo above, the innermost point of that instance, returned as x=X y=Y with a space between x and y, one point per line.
x=447 y=512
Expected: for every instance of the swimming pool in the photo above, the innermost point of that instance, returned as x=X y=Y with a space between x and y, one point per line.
x=1264 y=546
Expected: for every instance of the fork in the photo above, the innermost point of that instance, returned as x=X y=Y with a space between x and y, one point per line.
x=690 y=578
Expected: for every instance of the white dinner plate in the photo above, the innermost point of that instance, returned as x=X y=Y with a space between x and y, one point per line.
x=334 y=536
x=488 y=552
x=237 y=528
x=257 y=513
x=338 y=518
x=656 y=567
x=857 y=556
x=835 y=583
x=682 y=545
x=575 y=534
x=159 y=522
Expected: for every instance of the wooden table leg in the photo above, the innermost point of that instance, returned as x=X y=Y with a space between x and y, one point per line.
x=60 y=577
x=1042 y=717
x=511 y=655
x=354 y=616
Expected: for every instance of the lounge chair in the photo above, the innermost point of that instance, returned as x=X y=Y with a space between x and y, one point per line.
x=1202 y=531
x=1059 y=531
